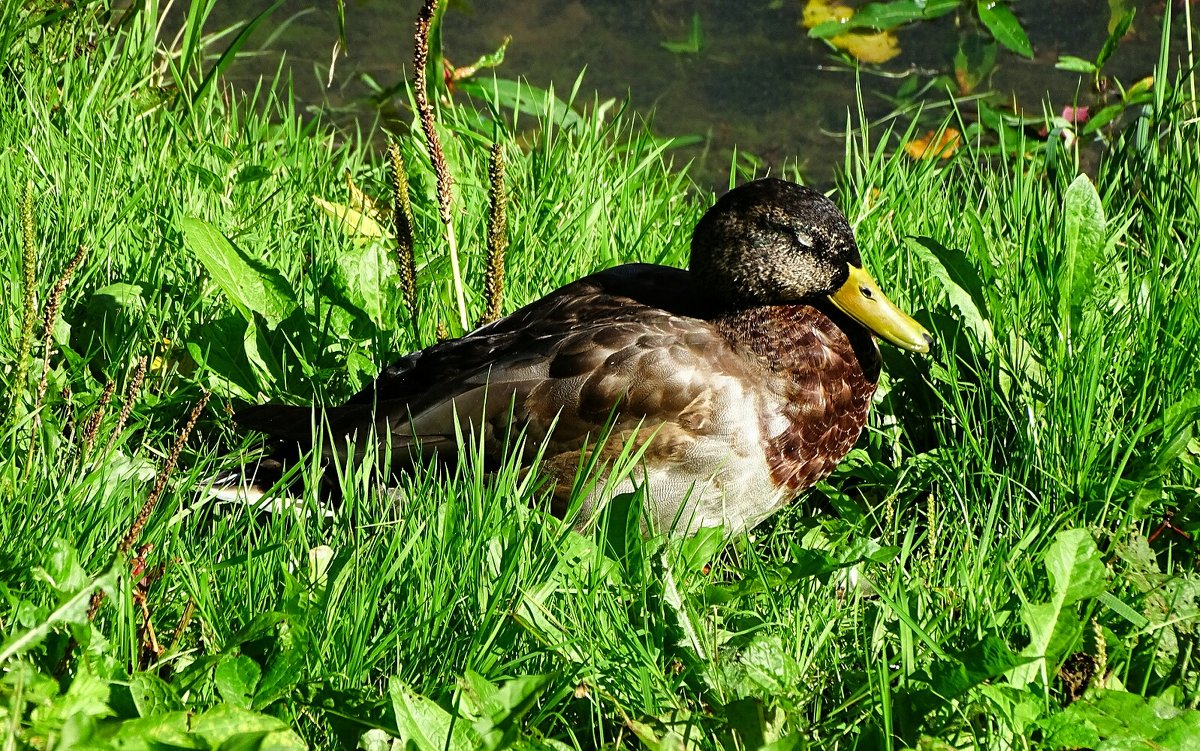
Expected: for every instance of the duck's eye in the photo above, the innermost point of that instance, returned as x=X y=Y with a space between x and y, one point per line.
x=803 y=238
x=866 y=292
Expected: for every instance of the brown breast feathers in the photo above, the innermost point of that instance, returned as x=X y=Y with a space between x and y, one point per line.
x=828 y=367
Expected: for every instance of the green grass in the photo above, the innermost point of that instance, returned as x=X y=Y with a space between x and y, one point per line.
x=1008 y=499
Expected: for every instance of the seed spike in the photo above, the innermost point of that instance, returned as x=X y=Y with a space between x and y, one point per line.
x=402 y=219
x=497 y=238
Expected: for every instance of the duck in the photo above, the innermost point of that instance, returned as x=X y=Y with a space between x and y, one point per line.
x=740 y=381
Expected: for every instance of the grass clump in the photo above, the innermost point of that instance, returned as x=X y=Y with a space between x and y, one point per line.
x=1022 y=507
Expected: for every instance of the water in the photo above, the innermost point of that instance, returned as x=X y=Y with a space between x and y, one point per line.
x=758 y=81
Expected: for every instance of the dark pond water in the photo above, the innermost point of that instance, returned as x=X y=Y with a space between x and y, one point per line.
x=757 y=82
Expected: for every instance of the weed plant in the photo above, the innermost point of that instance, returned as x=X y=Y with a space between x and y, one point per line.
x=1020 y=517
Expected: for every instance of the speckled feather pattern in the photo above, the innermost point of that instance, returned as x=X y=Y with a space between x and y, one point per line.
x=739 y=380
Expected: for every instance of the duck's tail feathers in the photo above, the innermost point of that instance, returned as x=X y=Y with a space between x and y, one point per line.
x=266 y=487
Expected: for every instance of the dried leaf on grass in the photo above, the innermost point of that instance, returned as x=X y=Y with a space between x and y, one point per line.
x=933 y=145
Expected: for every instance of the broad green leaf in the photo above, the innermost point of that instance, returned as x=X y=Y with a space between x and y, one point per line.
x=1135 y=618
x=162 y=730
x=473 y=693
x=218 y=347
x=1054 y=628
x=252 y=286
x=884 y=16
x=1183 y=411
x=121 y=295
x=365 y=277
x=225 y=723
x=1105 y=116
x=505 y=94
x=1139 y=90
x=87 y=696
x=1075 y=567
x=1075 y=64
x=973 y=61
x=649 y=736
x=692 y=44
x=258 y=353
x=515 y=697
x=960 y=281
x=265 y=740
x=765 y=662
x=1116 y=34
x=754 y=725
x=988 y=659
x=1068 y=730
x=702 y=548
x=152 y=695
x=500 y=721
x=1084 y=222
x=1017 y=708
x=208 y=178
x=62 y=570
x=1177 y=425
x=72 y=611
x=252 y=173
x=236 y=678
x=1076 y=573
x=489 y=60
x=283 y=674
x=1004 y=26
x=829 y=29
x=796 y=740
x=425 y=725
x=1118 y=720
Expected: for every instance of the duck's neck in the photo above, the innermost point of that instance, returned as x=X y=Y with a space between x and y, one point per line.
x=791 y=338
x=827 y=366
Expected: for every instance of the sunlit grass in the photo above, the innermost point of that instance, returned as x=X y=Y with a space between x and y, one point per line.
x=1047 y=407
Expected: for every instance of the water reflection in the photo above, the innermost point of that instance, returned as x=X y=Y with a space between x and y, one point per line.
x=757 y=82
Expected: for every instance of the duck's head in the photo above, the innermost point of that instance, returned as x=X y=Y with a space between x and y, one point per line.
x=772 y=242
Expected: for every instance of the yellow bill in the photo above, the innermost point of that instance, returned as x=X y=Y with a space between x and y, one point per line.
x=861 y=299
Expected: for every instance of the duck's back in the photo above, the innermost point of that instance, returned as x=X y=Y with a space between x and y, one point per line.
x=556 y=337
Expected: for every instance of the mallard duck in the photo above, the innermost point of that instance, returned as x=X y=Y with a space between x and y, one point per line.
x=746 y=379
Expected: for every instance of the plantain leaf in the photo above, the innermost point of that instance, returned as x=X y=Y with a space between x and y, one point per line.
x=252 y=286
x=236 y=677
x=1083 y=218
x=424 y=725
x=1114 y=38
x=1004 y=26
x=960 y=281
x=1075 y=64
x=1076 y=573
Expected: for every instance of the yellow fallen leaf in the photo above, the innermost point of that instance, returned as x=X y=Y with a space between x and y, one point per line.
x=926 y=148
x=876 y=47
x=352 y=221
x=365 y=204
x=817 y=12
x=868 y=47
